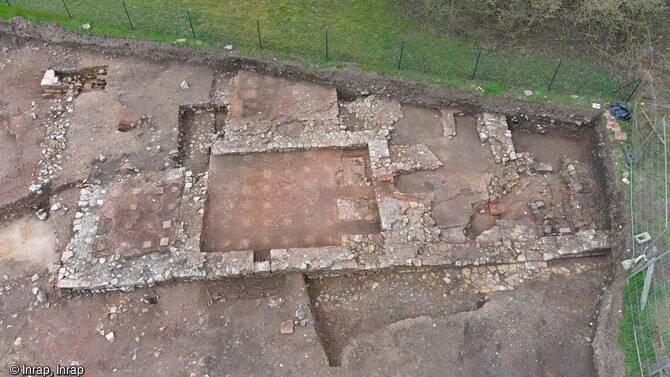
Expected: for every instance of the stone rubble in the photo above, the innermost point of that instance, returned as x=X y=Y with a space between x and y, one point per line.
x=410 y=158
x=498 y=259
x=286 y=327
x=613 y=124
x=51 y=83
x=493 y=129
x=72 y=81
x=42 y=214
x=57 y=126
x=374 y=113
x=405 y=219
x=40 y=296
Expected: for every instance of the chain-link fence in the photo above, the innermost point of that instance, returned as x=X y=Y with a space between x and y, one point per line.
x=327 y=39
x=648 y=287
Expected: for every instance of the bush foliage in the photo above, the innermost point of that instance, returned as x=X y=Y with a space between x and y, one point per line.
x=607 y=23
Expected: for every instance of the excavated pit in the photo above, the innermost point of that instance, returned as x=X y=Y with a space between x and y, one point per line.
x=74 y=81
x=564 y=191
x=480 y=221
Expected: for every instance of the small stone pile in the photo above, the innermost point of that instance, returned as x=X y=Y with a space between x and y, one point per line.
x=410 y=158
x=404 y=221
x=613 y=124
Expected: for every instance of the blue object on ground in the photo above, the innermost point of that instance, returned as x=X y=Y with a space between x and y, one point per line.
x=620 y=112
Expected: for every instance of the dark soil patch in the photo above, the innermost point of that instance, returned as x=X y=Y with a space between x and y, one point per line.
x=479 y=223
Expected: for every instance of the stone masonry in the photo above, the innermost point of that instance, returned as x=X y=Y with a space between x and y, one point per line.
x=156 y=235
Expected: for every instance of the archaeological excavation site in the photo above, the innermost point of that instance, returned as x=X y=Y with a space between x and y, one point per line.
x=263 y=175
x=221 y=215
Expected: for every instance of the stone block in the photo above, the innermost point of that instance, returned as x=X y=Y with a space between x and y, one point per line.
x=448 y=123
x=236 y=263
x=50 y=80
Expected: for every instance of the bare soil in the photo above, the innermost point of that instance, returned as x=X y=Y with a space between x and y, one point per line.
x=377 y=325
x=407 y=325
x=226 y=328
x=19 y=138
x=460 y=182
x=519 y=333
x=544 y=147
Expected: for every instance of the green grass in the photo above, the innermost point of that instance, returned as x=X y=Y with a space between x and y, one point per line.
x=635 y=319
x=635 y=322
x=365 y=34
x=627 y=337
x=648 y=324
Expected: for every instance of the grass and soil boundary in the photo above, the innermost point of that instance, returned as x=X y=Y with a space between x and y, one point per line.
x=365 y=35
x=431 y=59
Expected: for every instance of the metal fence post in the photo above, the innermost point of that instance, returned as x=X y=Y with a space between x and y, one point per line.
x=634 y=90
x=402 y=49
x=625 y=86
x=190 y=21
x=476 y=64
x=647 y=285
x=554 y=76
x=258 y=28
x=128 y=15
x=66 y=9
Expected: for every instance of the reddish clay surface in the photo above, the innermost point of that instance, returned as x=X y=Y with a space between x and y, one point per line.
x=260 y=97
x=139 y=217
x=281 y=200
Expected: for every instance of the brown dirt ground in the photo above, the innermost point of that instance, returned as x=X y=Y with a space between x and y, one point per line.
x=408 y=324
x=520 y=333
x=543 y=328
x=457 y=184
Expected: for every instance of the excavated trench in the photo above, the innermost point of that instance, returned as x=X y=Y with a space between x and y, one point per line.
x=347 y=308
x=199 y=125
